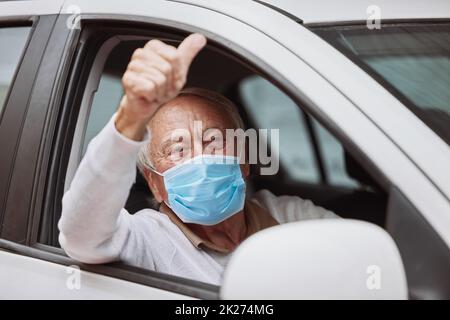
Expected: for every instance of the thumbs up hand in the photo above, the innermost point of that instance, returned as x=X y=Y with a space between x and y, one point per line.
x=155 y=74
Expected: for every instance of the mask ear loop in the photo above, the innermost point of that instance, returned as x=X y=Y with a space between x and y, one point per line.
x=155 y=171
x=161 y=175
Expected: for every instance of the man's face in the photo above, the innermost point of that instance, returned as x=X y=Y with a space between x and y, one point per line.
x=183 y=128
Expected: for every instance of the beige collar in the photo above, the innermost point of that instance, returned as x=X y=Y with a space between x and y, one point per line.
x=256 y=217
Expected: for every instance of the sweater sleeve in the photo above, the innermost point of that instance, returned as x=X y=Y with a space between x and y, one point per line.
x=291 y=208
x=94 y=226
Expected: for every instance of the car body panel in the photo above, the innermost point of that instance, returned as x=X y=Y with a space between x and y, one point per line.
x=38 y=279
x=12 y=9
x=331 y=11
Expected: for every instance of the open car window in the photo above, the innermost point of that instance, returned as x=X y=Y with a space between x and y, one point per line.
x=314 y=163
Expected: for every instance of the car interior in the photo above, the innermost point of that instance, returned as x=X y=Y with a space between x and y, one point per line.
x=313 y=164
x=319 y=168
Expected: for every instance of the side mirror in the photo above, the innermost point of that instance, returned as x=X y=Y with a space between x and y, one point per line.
x=317 y=259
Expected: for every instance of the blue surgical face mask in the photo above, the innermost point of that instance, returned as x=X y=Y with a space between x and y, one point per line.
x=206 y=189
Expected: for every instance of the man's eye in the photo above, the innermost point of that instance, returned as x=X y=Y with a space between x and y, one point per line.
x=214 y=145
x=178 y=150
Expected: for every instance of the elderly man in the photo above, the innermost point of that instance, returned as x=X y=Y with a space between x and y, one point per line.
x=203 y=213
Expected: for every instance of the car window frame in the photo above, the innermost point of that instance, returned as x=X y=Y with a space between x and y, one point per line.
x=77 y=93
x=76 y=89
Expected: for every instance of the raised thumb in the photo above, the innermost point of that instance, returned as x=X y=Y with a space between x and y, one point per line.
x=190 y=47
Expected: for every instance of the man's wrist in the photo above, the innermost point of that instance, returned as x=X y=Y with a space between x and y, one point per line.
x=131 y=127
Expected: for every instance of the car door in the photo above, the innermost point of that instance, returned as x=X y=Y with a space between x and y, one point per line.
x=53 y=113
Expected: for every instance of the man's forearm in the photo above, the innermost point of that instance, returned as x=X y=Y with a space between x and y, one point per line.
x=132 y=126
x=92 y=224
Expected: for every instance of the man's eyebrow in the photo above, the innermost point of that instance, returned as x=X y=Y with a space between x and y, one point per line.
x=167 y=143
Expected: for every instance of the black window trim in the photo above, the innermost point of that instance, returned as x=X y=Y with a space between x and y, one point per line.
x=318 y=156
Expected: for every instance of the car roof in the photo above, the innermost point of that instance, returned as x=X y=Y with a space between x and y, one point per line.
x=308 y=11
x=326 y=11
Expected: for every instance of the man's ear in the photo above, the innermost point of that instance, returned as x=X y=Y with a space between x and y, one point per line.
x=156 y=185
x=245 y=169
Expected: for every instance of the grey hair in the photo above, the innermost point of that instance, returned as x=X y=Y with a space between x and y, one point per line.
x=144 y=162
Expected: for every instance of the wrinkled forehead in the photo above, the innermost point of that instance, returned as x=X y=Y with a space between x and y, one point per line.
x=188 y=113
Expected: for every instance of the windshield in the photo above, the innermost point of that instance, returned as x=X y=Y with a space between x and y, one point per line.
x=412 y=61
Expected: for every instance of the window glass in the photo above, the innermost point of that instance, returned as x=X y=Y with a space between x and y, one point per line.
x=411 y=61
x=12 y=44
x=110 y=91
x=332 y=154
x=269 y=107
x=104 y=104
x=107 y=98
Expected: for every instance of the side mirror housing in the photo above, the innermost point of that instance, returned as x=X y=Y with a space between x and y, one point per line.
x=317 y=259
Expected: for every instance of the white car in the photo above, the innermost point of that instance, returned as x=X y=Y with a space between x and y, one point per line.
x=360 y=93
